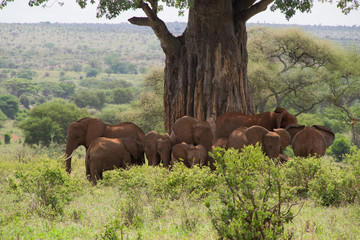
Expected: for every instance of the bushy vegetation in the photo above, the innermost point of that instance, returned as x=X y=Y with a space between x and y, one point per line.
x=248 y=196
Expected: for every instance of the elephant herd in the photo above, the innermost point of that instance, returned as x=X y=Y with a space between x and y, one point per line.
x=190 y=140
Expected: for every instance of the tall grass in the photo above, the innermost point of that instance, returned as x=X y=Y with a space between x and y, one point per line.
x=39 y=200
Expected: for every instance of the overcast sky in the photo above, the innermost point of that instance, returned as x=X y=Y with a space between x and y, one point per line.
x=19 y=12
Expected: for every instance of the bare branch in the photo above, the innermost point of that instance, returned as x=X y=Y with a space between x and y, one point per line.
x=140 y=21
x=169 y=43
x=255 y=9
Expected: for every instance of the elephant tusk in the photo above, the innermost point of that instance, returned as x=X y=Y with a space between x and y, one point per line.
x=69 y=156
x=62 y=156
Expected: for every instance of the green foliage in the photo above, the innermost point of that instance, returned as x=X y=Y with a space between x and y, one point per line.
x=7 y=138
x=299 y=172
x=334 y=185
x=49 y=121
x=48 y=184
x=9 y=105
x=19 y=86
x=255 y=203
x=95 y=98
x=122 y=95
x=340 y=147
x=92 y=72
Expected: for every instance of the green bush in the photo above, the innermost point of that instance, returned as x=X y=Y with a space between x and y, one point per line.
x=340 y=147
x=46 y=185
x=334 y=184
x=299 y=172
x=7 y=138
x=254 y=201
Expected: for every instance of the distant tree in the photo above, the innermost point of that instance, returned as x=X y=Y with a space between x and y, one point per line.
x=76 y=67
x=92 y=72
x=25 y=101
x=67 y=90
x=26 y=73
x=9 y=105
x=3 y=118
x=19 y=86
x=49 y=121
x=122 y=95
x=7 y=138
x=287 y=68
x=90 y=98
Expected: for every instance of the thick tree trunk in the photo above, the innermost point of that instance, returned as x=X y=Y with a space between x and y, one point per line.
x=206 y=67
x=207 y=75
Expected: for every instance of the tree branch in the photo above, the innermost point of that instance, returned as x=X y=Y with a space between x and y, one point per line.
x=169 y=43
x=255 y=9
x=140 y=21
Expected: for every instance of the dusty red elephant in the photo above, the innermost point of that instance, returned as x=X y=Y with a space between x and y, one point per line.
x=84 y=131
x=228 y=122
x=310 y=141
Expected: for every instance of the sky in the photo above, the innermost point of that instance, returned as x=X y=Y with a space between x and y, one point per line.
x=325 y=14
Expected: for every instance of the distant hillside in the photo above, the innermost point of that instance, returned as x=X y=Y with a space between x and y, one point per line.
x=62 y=46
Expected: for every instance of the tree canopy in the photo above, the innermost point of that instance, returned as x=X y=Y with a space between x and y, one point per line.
x=49 y=121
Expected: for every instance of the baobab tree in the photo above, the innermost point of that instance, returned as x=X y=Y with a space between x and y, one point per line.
x=206 y=66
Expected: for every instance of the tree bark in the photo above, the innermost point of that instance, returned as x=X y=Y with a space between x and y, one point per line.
x=206 y=67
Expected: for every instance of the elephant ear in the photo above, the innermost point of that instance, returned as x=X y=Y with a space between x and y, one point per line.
x=94 y=128
x=182 y=131
x=279 y=118
x=134 y=147
x=294 y=129
x=285 y=137
x=255 y=134
x=284 y=118
x=327 y=133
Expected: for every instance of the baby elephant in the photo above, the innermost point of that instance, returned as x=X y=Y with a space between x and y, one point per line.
x=273 y=143
x=157 y=148
x=109 y=153
x=310 y=141
x=191 y=155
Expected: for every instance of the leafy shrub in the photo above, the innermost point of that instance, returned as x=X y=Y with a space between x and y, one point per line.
x=7 y=138
x=299 y=172
x=333 y=185
x=340 y=147
x=9 y=105
x=254 y=203
x=46 y=185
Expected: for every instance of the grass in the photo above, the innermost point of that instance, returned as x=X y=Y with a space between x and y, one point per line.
x=142 y=203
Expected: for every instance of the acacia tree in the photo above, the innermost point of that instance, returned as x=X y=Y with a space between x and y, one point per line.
x=206 y=67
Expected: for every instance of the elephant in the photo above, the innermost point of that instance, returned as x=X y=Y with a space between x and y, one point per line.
x=109 y=153
x=272 y=142
x=310 y=141
x=192 y=131
x=191 y=155
x=229 y=121
x=84 y=131
x=157 y=148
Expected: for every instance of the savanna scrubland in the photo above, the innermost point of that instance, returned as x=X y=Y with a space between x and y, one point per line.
x=53 y=74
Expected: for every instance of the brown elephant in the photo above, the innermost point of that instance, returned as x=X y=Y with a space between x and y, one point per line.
x=272 y=142
x=191 y=155
x=192 y=131
x=109 y=153
x=310 y=141
x=157 y=148
x=229 y=121
x=86 y=130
